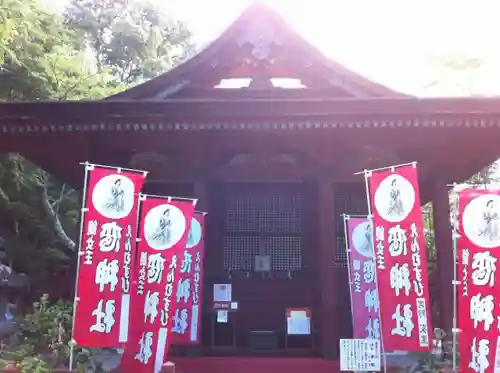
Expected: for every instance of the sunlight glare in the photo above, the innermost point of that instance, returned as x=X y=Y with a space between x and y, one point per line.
x=394 y=42
x=399 y=43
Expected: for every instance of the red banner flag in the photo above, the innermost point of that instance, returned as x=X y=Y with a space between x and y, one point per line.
x=108 y=235
x=363 y=285
x=401 y=259
x=164 y=228
x=478 y=300
x=187 y=318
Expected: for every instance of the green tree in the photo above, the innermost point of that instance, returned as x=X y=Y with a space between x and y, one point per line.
x=36 y=213
x=41 y=60
x=137 y=40
x=94 y=20
x=487 y=175
x=19 y=21
x=94 y=50
x=455 y=74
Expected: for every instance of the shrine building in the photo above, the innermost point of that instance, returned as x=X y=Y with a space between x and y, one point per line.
x=274 y=167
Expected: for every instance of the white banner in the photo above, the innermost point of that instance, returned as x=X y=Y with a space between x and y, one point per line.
x=360 y=355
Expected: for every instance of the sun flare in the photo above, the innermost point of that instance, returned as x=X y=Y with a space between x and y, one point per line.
x=405 y=45
x=397 y=43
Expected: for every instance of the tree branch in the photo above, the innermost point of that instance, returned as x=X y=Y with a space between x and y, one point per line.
x=62 y=196
x=54 y=219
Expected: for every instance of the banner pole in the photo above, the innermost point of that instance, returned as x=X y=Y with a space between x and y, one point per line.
x=171 y=198
x=118 y=169
x=348 y=252
x=367 y=174
x=455 y=329
x=414 y=164
x=355 y=215
x=88 y=167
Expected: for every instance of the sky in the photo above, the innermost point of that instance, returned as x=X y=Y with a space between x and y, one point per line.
x=399 y=43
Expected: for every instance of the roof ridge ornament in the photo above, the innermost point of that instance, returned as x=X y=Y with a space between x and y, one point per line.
x=261 y=35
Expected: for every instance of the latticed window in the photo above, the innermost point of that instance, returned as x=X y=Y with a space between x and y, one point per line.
x=262 y=222
x=349 y=199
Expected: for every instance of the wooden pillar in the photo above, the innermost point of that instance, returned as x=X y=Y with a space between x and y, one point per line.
x=326 y=239
x=444 y=249
x=200 y=192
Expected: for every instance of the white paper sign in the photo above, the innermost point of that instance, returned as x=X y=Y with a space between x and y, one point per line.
x=222 y=292
x=360 y=355
x=222 y=317
x=298 y=323
x=262 y=263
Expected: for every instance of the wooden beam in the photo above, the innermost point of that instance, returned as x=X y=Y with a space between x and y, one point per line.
x=402 y=111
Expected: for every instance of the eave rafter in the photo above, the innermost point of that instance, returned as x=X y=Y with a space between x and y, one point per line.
x=158 y=125
x=354 y=112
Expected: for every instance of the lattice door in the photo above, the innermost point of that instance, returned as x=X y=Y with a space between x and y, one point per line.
x=262 y=221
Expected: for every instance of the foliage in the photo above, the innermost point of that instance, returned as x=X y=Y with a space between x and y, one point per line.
x=41 y=60
x=30 y=243
x=437 y=360
x=95 y=49
x=24 y=21
x=453 y=73
x=487 y=175
x=42 y=341
x=137 y=40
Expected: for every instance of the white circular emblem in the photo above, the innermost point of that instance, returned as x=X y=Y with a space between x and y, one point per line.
x=194 y=236
x=394 y=198
x=362 y=239
x=113 y=196
x=164 y=226
x=481 y=221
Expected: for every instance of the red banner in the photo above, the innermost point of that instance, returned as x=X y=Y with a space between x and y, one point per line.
x=165 y=224
x=106 y=251
x=478 y=300
x=364 y=294
x=187 y=318
x=401 y=259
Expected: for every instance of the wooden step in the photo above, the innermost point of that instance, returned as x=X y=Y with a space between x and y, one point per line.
x=254 y=365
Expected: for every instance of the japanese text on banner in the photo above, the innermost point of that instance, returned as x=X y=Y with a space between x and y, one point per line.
x=364 y=294
x=106 y=252
x=163 y=235
x=186 y=321
x=478 y=302
x=401 y=259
